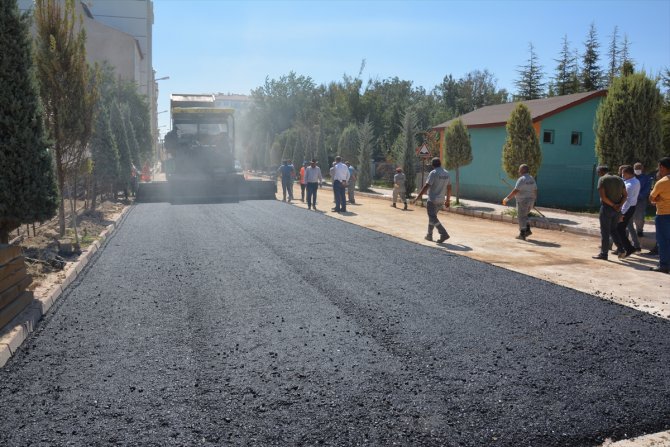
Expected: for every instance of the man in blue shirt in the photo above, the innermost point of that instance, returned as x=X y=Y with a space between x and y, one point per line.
x=287 y=172
x=646 y=181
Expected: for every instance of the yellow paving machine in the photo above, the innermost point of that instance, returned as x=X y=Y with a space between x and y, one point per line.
x=200 y=165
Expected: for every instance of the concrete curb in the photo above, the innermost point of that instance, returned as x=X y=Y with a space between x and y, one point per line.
x=19 y=329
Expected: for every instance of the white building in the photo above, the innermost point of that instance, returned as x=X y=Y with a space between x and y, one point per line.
x=120 y=32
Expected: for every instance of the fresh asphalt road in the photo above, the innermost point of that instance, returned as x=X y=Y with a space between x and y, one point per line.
x=260 y=323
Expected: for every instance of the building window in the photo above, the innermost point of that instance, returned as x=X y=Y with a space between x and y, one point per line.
x=548 y=136
x=576 y=139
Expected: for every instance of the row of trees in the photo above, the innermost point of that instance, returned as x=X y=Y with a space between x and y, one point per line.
x=575 y=72
x=294 y=118
x=62 y=120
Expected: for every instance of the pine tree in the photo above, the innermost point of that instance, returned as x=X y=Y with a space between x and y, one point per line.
x=365 y=142
x=458 y=151
x=530 y=85
x=624 y=53
x=27 y=188
x=592 y=74
x=613 y=54
x=566 y=79
x=521 y=145
x=628 y=121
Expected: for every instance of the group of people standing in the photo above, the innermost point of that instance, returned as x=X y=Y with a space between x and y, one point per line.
x=624 y=199
x=623 y=204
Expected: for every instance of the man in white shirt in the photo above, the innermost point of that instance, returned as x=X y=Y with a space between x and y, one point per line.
x=628 y=210
x=312 y=179
x=340 y=179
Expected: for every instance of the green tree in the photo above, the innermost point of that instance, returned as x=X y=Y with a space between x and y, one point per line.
x=628 y=121
x=105 y=155
x=521 y=145
x=347 y=145
x=613 y=52
x=405 y=146
x=121 y=135
x=27 y=187
x=665 y=111
x=592 y=74
x=365 y=142
x=530 y=85
x=566 y=80
x=458 y=151
x=65 y=87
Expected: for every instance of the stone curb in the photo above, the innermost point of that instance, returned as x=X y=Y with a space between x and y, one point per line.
x=19 y=329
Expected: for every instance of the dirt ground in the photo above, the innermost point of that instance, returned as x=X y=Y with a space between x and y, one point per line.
x=558 y=257
x=44 y=261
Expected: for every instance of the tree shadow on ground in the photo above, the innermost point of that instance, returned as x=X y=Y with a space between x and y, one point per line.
x=486 y=209
x=561 y=221
x=543 y=243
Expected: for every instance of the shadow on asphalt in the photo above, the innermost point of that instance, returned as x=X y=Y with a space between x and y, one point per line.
x=453 y=247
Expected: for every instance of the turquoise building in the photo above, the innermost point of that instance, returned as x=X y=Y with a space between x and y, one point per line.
x=565 y=127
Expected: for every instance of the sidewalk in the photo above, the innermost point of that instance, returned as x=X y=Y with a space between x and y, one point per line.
x=550 y=219
x=555 y=255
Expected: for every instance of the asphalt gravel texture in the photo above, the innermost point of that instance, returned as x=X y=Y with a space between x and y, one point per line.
x=259 y=323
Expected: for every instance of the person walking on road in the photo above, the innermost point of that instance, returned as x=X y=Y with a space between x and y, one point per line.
x=351 y=184
x=340 y=179
x=525 y=192
x=632 y=185
x=287 y=173
x=438 y=186
x=612 y=197
x=312 y=180
x=399 y=188
x=660 y=196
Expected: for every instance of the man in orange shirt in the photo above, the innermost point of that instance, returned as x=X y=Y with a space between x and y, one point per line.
x=303 y=184
x=660 y=196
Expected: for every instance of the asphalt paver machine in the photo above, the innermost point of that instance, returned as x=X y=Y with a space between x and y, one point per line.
x=200 y=165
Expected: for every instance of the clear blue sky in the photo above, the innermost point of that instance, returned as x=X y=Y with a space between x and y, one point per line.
x=209 y=46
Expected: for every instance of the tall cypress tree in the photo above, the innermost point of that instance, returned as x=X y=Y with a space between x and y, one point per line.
x=27 y=188
x=121 y=136
x=105 y=154
x=521 y=145
x=458 y=151
x=592 y=74
x=366 y=136
x=628 y=121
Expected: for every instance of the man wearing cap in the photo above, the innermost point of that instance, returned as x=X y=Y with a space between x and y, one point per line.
x=437 y=185
x=287 y=172
x=525 y=191
x=340 y=179
x=399 y=187
x=612 y=197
